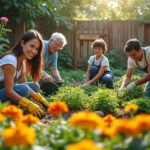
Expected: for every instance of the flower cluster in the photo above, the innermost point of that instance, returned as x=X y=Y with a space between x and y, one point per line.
x=57 y=108
x=4 y=41
x=83 y=130
x=3 y=22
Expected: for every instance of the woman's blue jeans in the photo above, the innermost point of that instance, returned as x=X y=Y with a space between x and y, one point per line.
x=21 y=89
x=106 y=79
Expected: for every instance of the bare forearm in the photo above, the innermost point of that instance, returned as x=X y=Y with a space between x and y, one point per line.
x=56 y=75
x=96 y=78
x=87 y=77
x=11 y=94
x=143 y=79
x=125 y=82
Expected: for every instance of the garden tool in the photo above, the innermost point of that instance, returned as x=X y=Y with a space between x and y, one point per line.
x=49 y=88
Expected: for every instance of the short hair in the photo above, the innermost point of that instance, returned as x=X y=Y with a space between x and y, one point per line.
x=99 y=43
x=58 y=36
x=132 y=44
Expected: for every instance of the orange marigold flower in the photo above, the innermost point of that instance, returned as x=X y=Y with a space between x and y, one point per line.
x=12 y=112
x=86 y=119
x=108 y=120
x=58 y=107
x=131 y=107
x=29 y=119
x=144 y=121
x=84 y=145
x=20 y=135
x=128 y=127
x=1 y=117
x=109 y=131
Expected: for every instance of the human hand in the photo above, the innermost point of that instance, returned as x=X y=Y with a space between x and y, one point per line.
x=47 y=78
x=39 y=98
x=131 y=86
x=86 y=85
x=31 y=107
x=59 y=81
x=120 y=90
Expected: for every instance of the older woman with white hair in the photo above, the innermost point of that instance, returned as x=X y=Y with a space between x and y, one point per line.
x=50 y=57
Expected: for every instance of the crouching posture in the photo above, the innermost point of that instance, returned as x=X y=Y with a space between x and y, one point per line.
x=98 y=70
x=24 y=57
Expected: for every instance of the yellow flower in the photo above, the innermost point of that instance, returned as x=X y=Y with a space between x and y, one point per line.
x=1 y=117
x=29 y=119
x=12 y=112
x=20 y=135
x=131 y=107
x=86 y=119
x=84 y=145
x=57 y=108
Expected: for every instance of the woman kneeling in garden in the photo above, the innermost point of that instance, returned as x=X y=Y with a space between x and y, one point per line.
x=24 y=57
x=98 y=70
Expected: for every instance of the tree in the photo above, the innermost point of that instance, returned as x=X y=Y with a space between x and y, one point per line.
x=29 y=10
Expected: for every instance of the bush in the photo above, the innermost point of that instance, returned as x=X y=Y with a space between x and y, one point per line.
x=73 y=96
x=73 y=77
x=4 y=42
x=105 y=100
x=143 y=103
x=65 y=59
x=116 y=60
x=127 y=95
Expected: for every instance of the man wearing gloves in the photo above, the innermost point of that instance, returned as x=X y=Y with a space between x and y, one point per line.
x=139 y=57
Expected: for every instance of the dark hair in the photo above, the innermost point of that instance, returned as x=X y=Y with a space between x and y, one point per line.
x=99 y=43
x=33 y=66
x=132 y=44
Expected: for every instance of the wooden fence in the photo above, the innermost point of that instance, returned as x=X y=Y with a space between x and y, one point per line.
x=83 y=33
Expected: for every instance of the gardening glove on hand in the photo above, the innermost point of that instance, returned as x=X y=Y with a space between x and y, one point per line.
x=120 y=89
x=131 y=86
x=86 y=85
x=31 y=107
x=40 y=99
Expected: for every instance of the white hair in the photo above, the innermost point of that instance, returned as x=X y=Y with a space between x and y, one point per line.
x=58 y=36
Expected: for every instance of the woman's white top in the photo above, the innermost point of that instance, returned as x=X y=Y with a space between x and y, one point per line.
x=9 y=60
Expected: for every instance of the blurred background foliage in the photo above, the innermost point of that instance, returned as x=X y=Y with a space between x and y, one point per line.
x=62 y=12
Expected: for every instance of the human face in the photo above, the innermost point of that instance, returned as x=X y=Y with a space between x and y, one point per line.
x=30 y=48
x=136 y=55
x=55 y=46
x=98 y=51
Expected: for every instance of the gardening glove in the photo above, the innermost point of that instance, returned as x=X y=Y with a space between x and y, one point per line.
x=86 y=85
x=131 y=86
x=31 y=107
x=40 y=99
x=120 y=89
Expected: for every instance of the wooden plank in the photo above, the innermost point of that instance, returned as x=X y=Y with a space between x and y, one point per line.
x=88 y=36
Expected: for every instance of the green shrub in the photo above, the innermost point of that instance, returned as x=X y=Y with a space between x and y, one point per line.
x=105 y=100
x=143 y=103
x=73 y=96
x=65 y=59
x=116 y=59
x=127 y=95
x=73 y=77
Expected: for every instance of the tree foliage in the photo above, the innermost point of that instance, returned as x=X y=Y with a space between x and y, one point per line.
x=61 y=12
